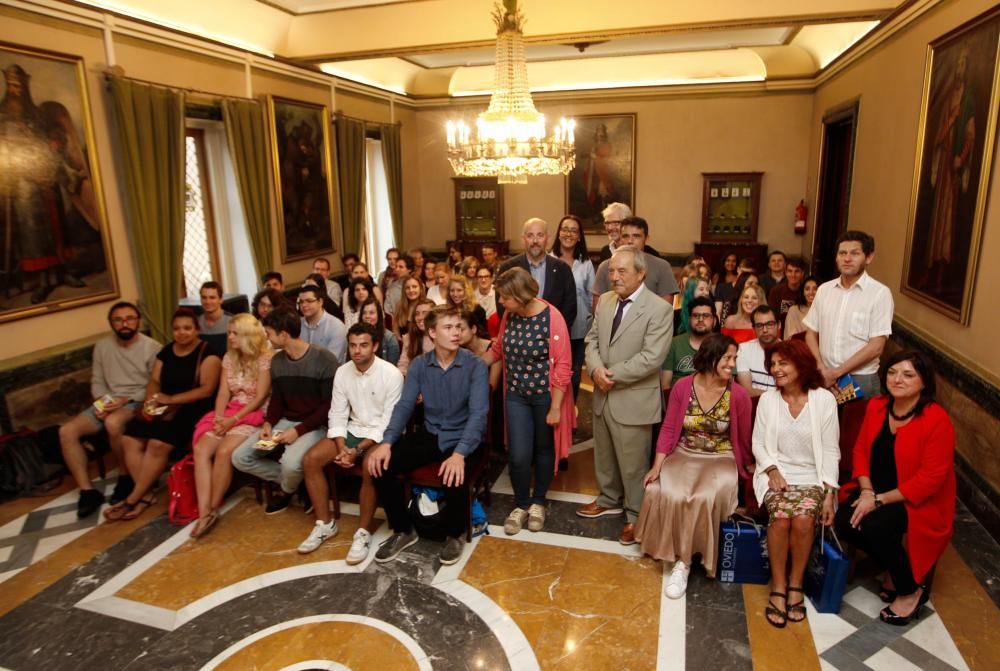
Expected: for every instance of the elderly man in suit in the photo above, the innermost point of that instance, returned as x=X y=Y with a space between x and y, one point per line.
x=625 y=348
x=554 y=277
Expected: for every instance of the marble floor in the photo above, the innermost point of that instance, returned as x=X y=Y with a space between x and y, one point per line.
x=143 y=595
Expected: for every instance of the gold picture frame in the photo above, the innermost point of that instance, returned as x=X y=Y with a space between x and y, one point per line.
x=303 y=178
x=55 y=246
x=605 y=167
x=955 y=145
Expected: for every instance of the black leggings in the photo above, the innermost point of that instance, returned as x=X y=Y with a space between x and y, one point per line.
x=880 y=535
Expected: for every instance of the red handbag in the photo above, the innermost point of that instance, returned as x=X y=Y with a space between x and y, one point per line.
x=183 y=507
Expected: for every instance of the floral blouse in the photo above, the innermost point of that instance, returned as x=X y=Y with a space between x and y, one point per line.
x=707 y=431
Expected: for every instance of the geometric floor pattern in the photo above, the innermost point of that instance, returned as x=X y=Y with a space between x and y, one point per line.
x=80 y=595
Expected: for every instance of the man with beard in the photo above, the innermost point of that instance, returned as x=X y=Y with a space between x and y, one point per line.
x=555 y=278
x=751 y=370
x=122 y=364
x=680 y=358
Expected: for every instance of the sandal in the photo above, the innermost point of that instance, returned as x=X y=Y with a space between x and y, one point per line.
x=117 y=511
x=771 y=609
x=797 y=608
x=203 y=524
x=139 y=507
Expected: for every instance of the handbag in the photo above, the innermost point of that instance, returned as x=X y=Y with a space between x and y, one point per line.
x=826 y=573
x=183 y=506
x=743 y=551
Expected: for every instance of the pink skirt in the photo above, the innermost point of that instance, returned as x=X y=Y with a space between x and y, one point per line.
x=243 y=427
x=682 y=510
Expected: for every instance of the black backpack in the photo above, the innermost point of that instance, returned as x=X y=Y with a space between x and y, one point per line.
x=22 y=468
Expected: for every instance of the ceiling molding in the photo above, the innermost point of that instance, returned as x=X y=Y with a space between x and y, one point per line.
x=592 y=36
x=330 y=10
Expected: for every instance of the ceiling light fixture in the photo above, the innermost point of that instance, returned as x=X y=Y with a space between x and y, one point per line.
x=509 y=141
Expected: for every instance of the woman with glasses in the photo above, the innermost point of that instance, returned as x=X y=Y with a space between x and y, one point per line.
x=571 y=248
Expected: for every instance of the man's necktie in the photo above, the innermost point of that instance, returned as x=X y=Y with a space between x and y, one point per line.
x=618 y=317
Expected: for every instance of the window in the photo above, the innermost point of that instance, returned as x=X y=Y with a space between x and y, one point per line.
x=216 y=246
x=378 y=217
x=201 y=262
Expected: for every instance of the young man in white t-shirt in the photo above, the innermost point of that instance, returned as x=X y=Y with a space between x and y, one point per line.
x=750 y=368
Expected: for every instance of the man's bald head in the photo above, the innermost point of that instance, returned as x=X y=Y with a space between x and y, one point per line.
x=535 y=235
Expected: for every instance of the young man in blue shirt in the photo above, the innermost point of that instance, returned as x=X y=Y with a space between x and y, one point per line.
x=455 y=387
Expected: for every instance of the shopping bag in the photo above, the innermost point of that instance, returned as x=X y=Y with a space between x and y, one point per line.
x=826 y=574
x=183 y=506
x=743 y=551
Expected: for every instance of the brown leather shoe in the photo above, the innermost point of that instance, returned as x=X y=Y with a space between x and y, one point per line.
x=594 y=510
x=628 y=534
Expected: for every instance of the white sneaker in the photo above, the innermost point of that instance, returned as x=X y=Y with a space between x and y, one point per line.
x=515 y=521
x=359 y=547
x=678 y=581
x=320 y=532
x=536 y=517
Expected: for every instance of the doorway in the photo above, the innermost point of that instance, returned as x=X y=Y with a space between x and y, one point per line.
x=835 y=172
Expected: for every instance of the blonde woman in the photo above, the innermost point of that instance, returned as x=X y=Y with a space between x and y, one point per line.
x=739 y=326
x=239 y=411
x=462 y=295
x=413 y=292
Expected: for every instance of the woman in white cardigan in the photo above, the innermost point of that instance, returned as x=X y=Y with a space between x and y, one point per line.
x=796 y=444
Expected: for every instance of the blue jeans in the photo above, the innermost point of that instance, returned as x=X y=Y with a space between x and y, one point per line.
x=529 y=438
x=578 y=348
x=288 y=470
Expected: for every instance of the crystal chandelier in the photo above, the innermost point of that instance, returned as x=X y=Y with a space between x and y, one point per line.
x=509 y=141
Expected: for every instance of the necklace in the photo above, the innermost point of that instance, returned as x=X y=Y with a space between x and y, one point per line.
x=903 y=417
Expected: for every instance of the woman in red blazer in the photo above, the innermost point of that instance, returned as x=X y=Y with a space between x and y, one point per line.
x=904 y=484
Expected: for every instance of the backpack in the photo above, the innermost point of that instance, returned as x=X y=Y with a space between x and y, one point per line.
x=183 y=506
x=22 y=468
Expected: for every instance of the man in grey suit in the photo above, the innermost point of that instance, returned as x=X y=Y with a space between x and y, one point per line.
x=554 y=276
x=626 y=346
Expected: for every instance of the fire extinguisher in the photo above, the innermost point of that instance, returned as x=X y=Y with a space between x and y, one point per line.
x=801 y=214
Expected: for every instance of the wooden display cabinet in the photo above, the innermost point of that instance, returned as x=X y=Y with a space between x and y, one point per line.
x=478 y=209
x=730 y=206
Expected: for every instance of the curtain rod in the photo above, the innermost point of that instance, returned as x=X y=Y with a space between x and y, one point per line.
x=367 y=122
x=118 y=71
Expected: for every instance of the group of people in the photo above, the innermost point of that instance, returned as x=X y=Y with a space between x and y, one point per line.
x=339 y=375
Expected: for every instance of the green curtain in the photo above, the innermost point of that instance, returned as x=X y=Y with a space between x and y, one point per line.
x=244 y=121
x=351 y=174
x=150 y=121
x=393 y=159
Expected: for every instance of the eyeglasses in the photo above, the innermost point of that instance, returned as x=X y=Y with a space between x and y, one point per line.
x=575 y=231
x=118 y=321
x=766 y=325
x=613 y=221
x=484 y=276
x=307 y=301
x=702 y=315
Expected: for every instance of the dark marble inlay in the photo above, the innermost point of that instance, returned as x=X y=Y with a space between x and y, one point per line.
x=979 y=550
x=443 y=627
x=561 y=519
x=716 y=639
x=917 y=655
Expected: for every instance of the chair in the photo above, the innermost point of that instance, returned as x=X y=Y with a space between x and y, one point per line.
x=477 y=480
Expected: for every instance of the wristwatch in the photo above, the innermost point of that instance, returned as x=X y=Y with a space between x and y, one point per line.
x=878 y=502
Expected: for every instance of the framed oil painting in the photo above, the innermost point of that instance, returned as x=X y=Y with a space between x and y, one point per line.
x=301 y=149
x=55 y=251
x=605 y=168
x=955 y=146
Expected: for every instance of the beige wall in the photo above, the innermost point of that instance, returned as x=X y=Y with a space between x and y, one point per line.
x=889 y=82
x=173 y=67
x=677 y=139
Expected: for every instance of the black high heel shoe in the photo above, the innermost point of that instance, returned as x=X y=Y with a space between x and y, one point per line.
x=889 y=617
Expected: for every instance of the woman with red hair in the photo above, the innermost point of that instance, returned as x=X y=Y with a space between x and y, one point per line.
x=796 y=444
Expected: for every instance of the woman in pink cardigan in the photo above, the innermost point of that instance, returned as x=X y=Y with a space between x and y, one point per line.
x=702 y=452
x=537 y=360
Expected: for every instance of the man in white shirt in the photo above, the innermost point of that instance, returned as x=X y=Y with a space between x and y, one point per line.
x=365 y=391
x=851 y=318
x=485 y=294
x=750 y=369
